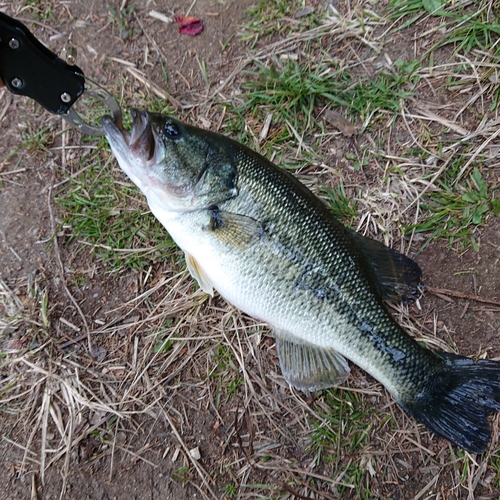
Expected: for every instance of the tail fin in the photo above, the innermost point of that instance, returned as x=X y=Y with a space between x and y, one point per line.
x=457 y=400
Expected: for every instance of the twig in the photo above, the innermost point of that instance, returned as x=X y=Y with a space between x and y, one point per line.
x=427 y=114
x=161 y=17
x=153 y=87
x=295 y=494
x=461 y=295
x=191 y=7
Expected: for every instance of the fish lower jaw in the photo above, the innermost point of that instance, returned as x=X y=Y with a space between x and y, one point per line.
x=167 y=209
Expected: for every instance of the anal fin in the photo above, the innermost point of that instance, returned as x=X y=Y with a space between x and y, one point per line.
x=308 y=367
x=199 y=274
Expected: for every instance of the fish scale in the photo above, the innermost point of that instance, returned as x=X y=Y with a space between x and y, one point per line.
x=259 y=237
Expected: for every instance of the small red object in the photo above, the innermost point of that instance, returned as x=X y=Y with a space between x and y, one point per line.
x=189 y=25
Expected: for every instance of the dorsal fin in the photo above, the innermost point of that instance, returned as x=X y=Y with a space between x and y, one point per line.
x=397 y=277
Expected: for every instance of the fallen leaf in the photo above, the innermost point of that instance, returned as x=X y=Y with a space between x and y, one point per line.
x=189 y=25
x=340 y=123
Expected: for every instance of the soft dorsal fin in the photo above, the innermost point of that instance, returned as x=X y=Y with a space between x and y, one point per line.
x=308 y=367
x=199 y=274
x=397 y=277
x=239 y=231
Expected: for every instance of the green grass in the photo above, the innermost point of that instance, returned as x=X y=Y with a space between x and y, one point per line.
x=293 y=93
x=270 y=18
x=37 y=142
x=163 y=346
x=454 y=213
x=495 y=463
x=110 y=215
x=329 y=434
x=453 y=210
x=290 y=91
x=343 y=207
x=41 y=10
x=182 y=475
x=230 y=490
x=474 y=27
x=345 y=428
x=123 y=19
x=226 y=374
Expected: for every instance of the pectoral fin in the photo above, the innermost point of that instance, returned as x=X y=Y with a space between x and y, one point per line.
x=199 y=275
x=308 y=367
x=239 y=231
x=397 y=277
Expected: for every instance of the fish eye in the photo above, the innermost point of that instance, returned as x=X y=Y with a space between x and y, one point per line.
x=171 y=129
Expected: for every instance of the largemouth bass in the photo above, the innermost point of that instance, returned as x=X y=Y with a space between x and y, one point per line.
x=254 y=233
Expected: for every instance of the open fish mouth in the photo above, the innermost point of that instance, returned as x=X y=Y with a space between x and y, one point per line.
x=140 y=141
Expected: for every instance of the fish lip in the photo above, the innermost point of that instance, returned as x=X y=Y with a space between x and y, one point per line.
x=140 y=141
x=115 y=130
x=142 y=138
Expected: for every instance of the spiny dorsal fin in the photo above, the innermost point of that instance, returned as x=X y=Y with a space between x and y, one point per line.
x=239 y=231
x=199 y=274
x=397 y=276
x=308 y=367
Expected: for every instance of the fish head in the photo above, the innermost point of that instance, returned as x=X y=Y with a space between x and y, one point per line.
x=182 y=167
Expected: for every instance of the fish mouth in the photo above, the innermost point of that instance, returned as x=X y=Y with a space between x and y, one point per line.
x=140 y=141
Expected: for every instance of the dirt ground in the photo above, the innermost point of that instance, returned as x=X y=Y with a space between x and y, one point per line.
x=152 y=468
